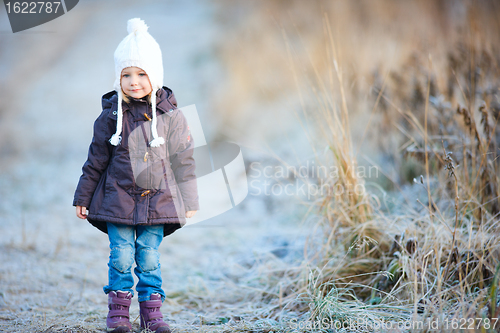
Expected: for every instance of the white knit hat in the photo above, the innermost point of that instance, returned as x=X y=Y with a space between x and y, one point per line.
x=138 y=49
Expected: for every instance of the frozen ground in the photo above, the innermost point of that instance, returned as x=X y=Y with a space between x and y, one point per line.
x=53 y=266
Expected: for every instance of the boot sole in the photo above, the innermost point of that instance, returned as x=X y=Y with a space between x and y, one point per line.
x=161 y=329
x=119 y=329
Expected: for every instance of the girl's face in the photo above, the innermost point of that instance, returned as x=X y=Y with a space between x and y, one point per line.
x=135 y=82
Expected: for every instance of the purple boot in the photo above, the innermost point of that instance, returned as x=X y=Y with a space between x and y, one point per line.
x=118 y=315
x=151 y=316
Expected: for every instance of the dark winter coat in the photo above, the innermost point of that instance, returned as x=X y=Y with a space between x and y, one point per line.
x=133 y=183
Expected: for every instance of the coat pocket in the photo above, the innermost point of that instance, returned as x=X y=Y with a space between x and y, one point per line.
x=116 y=202
x=121 y=171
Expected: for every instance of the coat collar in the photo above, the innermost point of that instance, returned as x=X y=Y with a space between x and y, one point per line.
x=165 y=101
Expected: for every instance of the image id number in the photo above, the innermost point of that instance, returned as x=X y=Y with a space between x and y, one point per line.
x=471 y=323
x=33 y=7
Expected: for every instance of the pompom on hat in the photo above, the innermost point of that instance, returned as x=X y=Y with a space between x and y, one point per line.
x=138 y=49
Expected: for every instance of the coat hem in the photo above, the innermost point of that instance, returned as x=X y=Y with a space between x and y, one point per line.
x=100 y=221
x=162 y=220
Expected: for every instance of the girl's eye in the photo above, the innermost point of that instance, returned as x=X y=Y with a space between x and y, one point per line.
x=142 y=74
x=126 y=75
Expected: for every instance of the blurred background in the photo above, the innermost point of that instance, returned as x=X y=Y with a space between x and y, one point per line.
x=260 y=74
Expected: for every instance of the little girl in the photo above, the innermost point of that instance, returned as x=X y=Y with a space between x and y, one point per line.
x=138 y=182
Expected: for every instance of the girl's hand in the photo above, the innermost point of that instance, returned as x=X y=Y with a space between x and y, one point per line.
x=190 y=213
x=81 y=212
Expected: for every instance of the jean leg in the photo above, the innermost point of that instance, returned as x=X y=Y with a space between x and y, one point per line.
x=121 y=258
x=147 y=259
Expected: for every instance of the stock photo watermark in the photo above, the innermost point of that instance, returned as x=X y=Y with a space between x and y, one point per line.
x=370 y=324
x=308 y=180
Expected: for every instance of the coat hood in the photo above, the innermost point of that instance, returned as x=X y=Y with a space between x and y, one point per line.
x=165 y=100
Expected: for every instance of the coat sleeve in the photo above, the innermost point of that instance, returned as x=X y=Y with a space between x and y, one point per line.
x=96 y=164
x=181 y=147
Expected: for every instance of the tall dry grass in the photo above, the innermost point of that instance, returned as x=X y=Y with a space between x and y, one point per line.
x=437 y=262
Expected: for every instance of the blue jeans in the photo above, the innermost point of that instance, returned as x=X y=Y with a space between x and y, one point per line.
x=139 y=243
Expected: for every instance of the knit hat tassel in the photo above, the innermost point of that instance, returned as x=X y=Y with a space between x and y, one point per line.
x=116 y=138
x=157 y=141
